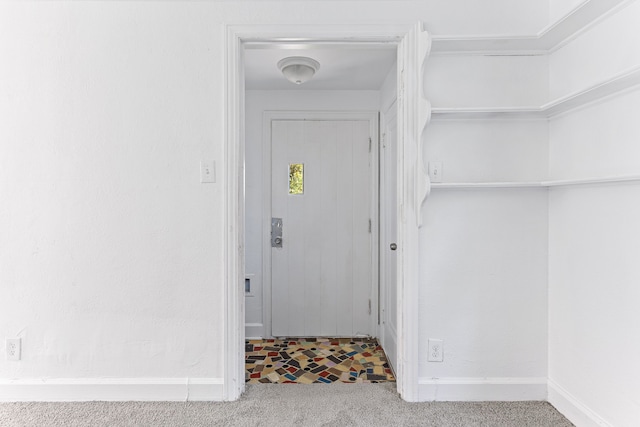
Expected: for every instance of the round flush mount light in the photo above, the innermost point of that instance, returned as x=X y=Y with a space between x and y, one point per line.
x=298 y=69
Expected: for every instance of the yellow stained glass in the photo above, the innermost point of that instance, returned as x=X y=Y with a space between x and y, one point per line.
x=296 y=178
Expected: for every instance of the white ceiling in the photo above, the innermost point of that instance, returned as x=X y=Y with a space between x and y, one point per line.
x=350 y=67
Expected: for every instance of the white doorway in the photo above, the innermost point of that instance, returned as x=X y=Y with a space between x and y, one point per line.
x=412 y=185
x=322 y=274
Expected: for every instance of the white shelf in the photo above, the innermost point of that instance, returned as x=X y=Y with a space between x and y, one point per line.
x=586 y=181
x=464 y=185
x=537 y=184
x=626 y=80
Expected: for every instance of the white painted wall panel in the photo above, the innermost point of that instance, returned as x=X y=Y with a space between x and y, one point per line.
x=594 y=230
x=598 y=141
x=603 y=51
x=484 y=283
x=111 y=250
x=594 y=298
x=487 y=81
x=489 y=150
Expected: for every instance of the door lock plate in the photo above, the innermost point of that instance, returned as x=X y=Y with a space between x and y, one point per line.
x=276 y=232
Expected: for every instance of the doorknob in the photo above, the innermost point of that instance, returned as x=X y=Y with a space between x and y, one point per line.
x=393 y=246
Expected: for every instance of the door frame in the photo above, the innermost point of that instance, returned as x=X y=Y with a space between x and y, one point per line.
x=383 y=237
x=408 y=264
x=267 y=118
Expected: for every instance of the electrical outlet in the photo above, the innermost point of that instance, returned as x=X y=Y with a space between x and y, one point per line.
x=13 y=348
x=436 y=350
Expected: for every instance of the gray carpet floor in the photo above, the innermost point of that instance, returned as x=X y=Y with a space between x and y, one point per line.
x=289 y=405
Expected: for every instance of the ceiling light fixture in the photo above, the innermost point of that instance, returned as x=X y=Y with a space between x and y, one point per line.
x=298 y=69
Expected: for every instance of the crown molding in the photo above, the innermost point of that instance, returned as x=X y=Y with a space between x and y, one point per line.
x=549 y=39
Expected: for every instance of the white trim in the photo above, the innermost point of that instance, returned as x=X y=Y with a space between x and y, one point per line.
x=586 y=181
x=254 y=331
x=551 y=38
x=267 y=117
x=537 y=184
x=616 y=85
x=468 y=185
x=602 y=16
x=234 y=218
x=483 y=389
x=412 y=189
x=112 y=389
x=572 y=408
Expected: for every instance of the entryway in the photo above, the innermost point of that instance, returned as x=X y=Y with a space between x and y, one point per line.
x=320 y=257
x=316 y=361
x=411 y=188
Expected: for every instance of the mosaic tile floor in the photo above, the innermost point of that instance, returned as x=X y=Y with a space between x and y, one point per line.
x=316 y=360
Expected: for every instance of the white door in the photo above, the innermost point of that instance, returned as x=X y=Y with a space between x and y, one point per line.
x=388 y=236
x=321 y=277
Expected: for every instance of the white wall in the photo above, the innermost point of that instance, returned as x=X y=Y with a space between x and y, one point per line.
x=594 y=233
x=487 y=81
x=484 y=283
x=112 y=252
x=483 y=277
x=593 y=303
x=609 y=48
x=489 y=150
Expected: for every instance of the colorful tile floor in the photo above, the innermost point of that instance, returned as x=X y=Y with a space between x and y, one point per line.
x=316 y=360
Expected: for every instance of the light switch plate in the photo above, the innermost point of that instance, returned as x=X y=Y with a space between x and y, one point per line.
x=207 y=171
x=435 y=171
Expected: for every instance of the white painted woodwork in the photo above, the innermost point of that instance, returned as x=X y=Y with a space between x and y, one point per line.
x=619 y=83
x=540 y=184
x=388 y=235
x=568 y=22
x=234 y=270
x=410 y=193
x=321 y=277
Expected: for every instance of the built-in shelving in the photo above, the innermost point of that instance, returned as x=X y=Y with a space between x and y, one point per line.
x=537 y=184
x=626 y=80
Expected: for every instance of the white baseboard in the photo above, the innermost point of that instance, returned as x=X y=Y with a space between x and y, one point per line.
x=482 y=389
x=112 y=389
x=254 y=330
x=575 y=411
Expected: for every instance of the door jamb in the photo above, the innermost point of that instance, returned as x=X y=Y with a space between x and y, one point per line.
x=233 y=351
x=267 y=118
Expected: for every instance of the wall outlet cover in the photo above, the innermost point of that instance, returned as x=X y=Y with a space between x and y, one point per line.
x=436 y=350
x=13 y=347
